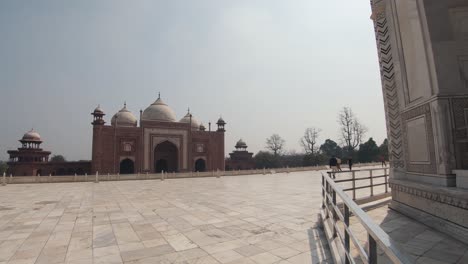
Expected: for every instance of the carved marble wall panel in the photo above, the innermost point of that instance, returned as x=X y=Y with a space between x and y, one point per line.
x=409 y=117
x=459 y=21
x=414 y=50
x=417 y=140
x=463 y=65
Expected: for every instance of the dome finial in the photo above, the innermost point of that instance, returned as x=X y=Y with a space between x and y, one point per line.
x=159 y=95
x=125 y=104
x=188 y=110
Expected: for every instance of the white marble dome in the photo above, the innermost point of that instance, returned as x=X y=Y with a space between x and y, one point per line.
x=159 y=111
x=195 y=122
x=124 y=118
x=31 y=136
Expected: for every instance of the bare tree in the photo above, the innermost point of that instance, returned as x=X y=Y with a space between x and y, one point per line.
x=309 y=140
x=275 y=143
x=351 y=130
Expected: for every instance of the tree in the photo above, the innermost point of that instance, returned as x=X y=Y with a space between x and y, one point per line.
x=330 y=148
x=383 y=149
x=3 y=167
x=291 y=159
x=309 y=140
x=275 y=143
x=265 y=159
x=314 y=160
x=58 y=158
x=351 y=129
x=368 y=151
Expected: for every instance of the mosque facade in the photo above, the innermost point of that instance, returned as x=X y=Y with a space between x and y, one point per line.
x=159 y=143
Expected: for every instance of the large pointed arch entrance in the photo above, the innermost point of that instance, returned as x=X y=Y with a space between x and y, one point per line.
x=166 y=157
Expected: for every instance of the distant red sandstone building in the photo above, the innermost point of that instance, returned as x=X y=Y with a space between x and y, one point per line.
x=159 y=143
x=31 y=160
x=240 y=159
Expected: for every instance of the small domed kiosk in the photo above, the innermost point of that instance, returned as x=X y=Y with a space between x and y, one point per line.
x=240 y=158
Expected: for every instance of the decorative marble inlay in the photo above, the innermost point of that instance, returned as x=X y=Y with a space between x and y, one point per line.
x=430 y=195
x=389 y=83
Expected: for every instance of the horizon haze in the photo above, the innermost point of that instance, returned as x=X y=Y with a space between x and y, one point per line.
x=265 y=66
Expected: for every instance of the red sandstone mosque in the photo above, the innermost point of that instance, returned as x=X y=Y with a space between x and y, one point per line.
x=158 y=142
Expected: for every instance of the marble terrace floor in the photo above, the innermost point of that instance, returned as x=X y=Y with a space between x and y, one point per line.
x=240 y=219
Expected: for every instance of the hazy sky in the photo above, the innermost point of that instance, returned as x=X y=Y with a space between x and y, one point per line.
x=266 y=66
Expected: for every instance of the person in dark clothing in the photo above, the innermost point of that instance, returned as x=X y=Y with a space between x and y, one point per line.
x=382 y=160
x=350 y=163
x=333 y=164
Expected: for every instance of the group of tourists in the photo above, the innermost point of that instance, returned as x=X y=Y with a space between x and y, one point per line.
x=335 y=164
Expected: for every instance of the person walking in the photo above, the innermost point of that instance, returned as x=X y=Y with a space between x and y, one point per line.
x=350 y=163
x=333 y=163
x=338 y=164
x=382 y=160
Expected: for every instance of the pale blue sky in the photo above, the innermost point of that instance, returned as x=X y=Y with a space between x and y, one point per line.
x=266 y=66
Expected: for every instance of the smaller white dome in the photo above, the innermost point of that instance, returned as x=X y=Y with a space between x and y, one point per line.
x=195 y=122
x=98 y=110
x=31 y=136
x=124 y=118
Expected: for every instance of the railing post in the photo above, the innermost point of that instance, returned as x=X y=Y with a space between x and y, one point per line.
x=354 y=185
x=346 y=238
x=162 y=175
x=11 y=178
x=386 y=180
x=327 y=201
x=86 y=177
x=371 y=184
x=4 y=179
x=372 y=250
x=97 y=177
x=335 y=216
x=323 y=191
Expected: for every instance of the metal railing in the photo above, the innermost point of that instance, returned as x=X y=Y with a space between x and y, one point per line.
x=333 y=218
x=375 y=177
x=10 y=179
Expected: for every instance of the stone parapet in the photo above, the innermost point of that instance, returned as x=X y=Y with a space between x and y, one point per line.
x=462 y=178
x=443 y=208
